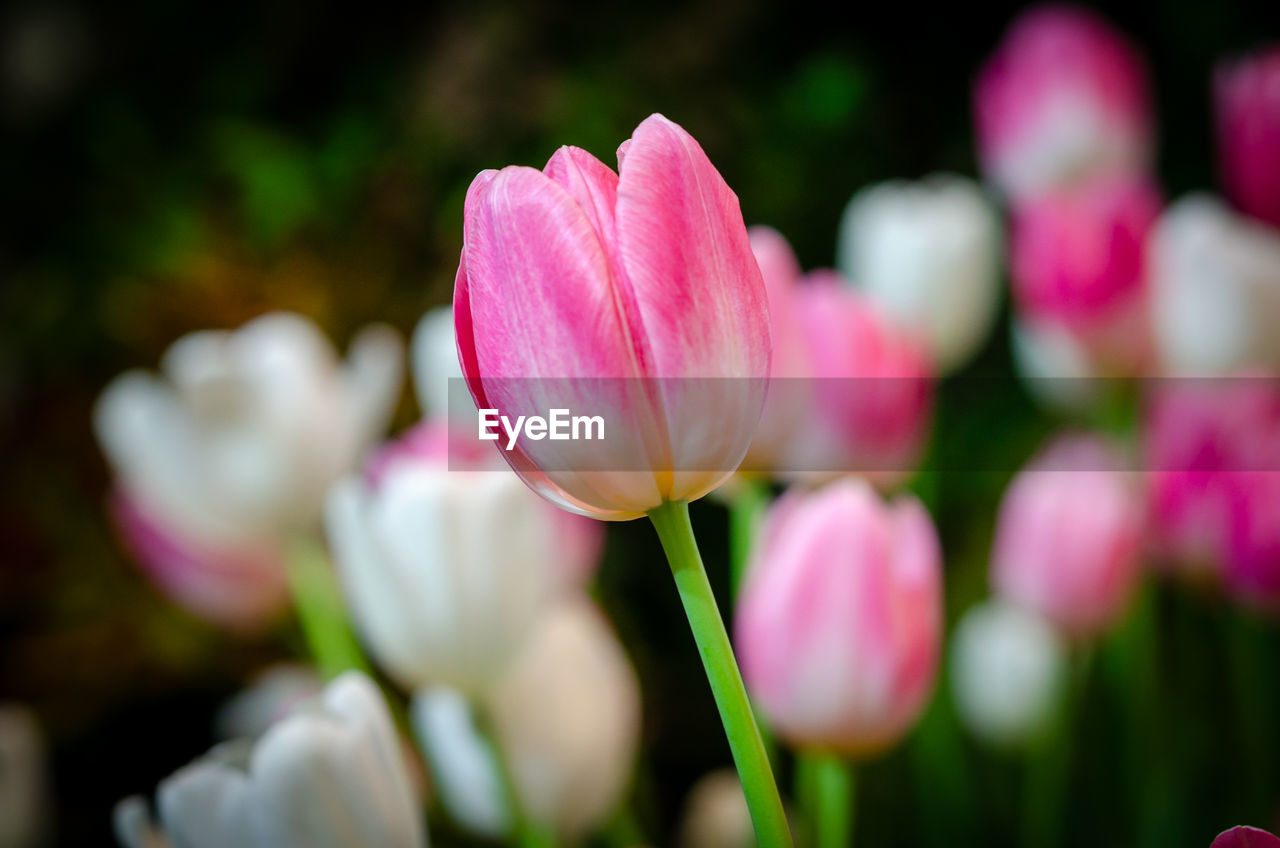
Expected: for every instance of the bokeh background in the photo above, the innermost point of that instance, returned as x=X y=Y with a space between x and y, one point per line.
x=169 y=168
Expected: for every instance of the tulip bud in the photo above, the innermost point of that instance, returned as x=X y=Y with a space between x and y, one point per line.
x=1068 y=536
x=433 y=354
x=1078 y=263
x=632 y=296
x=330 y=776
x=1245 y=837
x=224 y=460
x=839 y=621
x=566 y=715
x=849 y=391
x=1063 y=98
x=928 y=253
x=1213 y=451
x=1008 y=667
x=1248 y=118
x=716 y=814
x=270 y=696
x=1215 y=280
x=437 y=595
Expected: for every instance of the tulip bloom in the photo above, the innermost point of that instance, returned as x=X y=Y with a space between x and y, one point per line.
x=1008 y=670
x=566 y=716
x=335 y=776
x=839 y=620
x=850 y=390
x=436 y=594
x=24 y=779
x=1245 y=837
x=1215 y=289
x=928 y=253
x=1248 y=118
x=1068 y=537
x=1214 y=455
x=715 y=814
x=1063 y=98
x=1053 y=365
x=633 y=295
x=1078 y=262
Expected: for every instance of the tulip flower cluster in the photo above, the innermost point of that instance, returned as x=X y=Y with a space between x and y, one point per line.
x=457 y=573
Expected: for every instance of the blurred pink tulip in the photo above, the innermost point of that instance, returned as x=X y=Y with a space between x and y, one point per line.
x=1078 y=262
x=239 y=584
x=1247 y=100
x=851 y=390
x=1063 y=98
x=1068 y=536
x=1213 y=498
x=1245 y=837
x=839 y=621
x=643 y=279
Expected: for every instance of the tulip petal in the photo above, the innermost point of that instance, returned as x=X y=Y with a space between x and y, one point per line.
x=684 y=250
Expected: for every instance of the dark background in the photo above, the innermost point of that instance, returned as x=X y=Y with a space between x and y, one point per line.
x=169 y=167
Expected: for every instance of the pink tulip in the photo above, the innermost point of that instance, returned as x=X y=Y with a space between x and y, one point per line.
x=1245 y=837
x=1213 y=498
x=851 y=391
x=839 y=621
x=630 y=295
x=1078 y=263
x=1063 y=98
x=239 y=584
x=1247 y=100
x=1068 y=536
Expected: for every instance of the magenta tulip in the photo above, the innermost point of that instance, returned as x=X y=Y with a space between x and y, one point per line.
x=1247 y=97
x=630 y=295
x=1078 y=263
x=1213 y=500
x=1245 y=837
x=839 y=620
x=1068 y=536
x=1063 y=98
x=851 y=391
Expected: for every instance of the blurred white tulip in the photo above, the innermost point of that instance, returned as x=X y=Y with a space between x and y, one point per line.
x=445 y=572
x=1215 y=288
x=228 y=455
x=330 y=777
x=566 y=715
x=433 y=359
x=269 y=697
x=1054 y=367
x=1007 y=672
x=24 y=799
x=928 y=252
x=716 y=814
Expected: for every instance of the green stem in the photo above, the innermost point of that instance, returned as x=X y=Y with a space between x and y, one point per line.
x=671 y=520
x=745 y=512
x=826 y=785
x=528 y=833
x=321 y=612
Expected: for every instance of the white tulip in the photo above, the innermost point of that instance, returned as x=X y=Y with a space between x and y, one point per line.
x=433 y=357
x=566 y=715
x=928 y=252
x=445 y=573
x=1055 y=368
x=1216 y=289
x=242 y=436
x=1007 y=672
x=331 y=777
x=24 y=790
x=272 y=695
x=716 y=814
